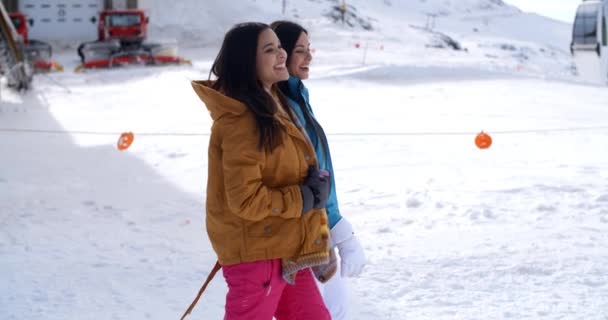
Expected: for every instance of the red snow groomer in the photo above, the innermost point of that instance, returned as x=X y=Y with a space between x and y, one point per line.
x=39 y=53
x=121 y=36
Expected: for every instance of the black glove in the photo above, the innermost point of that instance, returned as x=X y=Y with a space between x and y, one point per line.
x=308 y=198
x=319 y=182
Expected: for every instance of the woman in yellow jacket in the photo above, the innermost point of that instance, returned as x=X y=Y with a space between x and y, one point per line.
x=265 y=194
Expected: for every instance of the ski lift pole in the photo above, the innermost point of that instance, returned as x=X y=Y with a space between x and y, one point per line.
x=343 y=11
x=365 y=52
x=284 y=5
x=430 y=21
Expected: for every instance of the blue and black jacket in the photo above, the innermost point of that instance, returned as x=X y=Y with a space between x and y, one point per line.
x=298 y=98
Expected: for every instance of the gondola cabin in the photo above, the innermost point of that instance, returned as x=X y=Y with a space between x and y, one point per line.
x=589 y=44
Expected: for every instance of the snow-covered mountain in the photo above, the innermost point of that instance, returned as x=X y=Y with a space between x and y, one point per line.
x=487 y=32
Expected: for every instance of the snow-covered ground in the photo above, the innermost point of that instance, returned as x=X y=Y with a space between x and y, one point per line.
x=518 y=231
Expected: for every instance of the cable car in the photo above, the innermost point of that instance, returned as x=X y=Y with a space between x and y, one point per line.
x=589 y=44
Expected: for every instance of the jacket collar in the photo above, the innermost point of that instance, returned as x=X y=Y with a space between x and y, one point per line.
x=220 y=105
x=217 y=103
x=295 y=85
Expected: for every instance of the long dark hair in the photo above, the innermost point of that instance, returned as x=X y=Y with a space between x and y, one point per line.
x=235 y=69
x=288 y=33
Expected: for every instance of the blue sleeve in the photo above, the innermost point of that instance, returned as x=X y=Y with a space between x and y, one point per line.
x=333 y=210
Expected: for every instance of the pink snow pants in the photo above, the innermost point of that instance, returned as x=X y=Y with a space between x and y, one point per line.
x=257 y=291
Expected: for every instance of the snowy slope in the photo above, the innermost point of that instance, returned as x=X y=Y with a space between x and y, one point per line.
x=518 y=231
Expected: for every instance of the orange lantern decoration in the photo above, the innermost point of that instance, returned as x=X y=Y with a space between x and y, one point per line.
x=125 y=141
x=483 y=140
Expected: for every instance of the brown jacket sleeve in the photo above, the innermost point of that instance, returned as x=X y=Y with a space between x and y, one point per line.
x=242 y=160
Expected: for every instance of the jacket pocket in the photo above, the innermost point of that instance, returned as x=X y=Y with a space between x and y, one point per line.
x=274 y=237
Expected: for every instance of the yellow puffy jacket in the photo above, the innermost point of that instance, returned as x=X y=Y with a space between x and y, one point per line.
x=254 y=205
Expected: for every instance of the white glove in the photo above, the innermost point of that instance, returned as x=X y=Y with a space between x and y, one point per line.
x=351 y=253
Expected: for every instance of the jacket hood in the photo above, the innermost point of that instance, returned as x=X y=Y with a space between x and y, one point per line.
x=217 y=103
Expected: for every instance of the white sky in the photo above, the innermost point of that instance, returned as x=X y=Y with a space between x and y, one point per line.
x=557 y=9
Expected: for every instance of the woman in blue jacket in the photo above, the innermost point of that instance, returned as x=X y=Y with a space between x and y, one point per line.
x=294 y=39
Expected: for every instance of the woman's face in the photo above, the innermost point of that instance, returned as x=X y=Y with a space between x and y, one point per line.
x=300 y=58
x=270 y=59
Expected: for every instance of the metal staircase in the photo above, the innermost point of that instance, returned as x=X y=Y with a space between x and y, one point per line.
x=13 y=62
